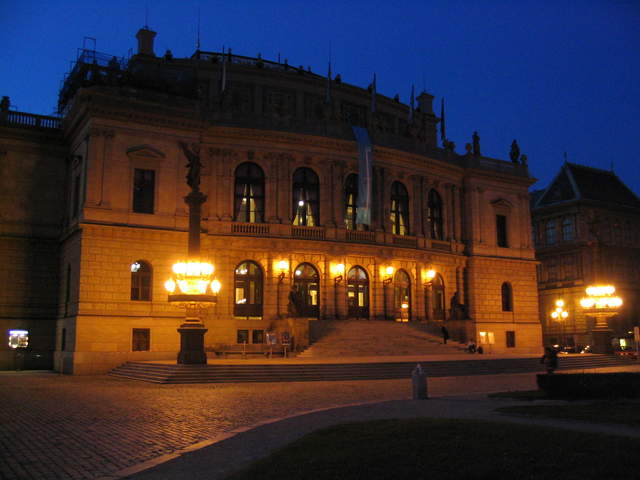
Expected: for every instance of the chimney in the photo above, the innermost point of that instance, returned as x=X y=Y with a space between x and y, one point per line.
x=145 y=41
x=425 y=102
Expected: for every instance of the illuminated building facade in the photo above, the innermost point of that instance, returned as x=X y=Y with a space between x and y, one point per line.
x=284 y=223
x=586 y=228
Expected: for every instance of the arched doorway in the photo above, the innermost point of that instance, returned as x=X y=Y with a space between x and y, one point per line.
x=438 y=298
x=402 y=296
x=306 y=290
x=358 y=293
x=248 y=290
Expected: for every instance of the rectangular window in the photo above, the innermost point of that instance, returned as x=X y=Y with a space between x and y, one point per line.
x=568 y=229
x=63 y=340
x=143 y=190
x=243 y=336
x=257 y=336
x=550 y=232
x=501 y=230
x=511 y=339
x=141 y=340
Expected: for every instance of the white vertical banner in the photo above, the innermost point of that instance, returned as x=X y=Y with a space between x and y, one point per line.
x=365 y=166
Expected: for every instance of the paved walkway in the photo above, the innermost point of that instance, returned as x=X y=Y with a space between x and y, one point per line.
x=65 y=427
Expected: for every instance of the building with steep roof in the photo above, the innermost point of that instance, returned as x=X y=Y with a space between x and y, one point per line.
x=586 y=228
x=301 y=225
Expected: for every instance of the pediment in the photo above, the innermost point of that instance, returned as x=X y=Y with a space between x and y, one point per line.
x=501 y=203
x=146 y=152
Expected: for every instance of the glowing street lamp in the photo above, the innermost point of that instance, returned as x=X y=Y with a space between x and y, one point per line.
x=559 y=315
x=602 y=304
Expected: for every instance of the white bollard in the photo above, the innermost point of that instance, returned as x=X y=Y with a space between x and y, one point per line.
x=419 y=383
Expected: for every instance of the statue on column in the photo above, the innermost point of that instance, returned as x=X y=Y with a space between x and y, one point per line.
x=476 y=144
x=194 y=165
x=514 y=154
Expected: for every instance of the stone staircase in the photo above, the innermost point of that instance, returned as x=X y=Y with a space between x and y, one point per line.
x=369 y=338
x=300 y=372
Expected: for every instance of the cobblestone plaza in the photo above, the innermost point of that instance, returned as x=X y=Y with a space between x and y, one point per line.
x=89 y=427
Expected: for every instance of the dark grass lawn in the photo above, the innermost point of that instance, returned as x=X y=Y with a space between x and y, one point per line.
x=613 y=411
x=621 y=411
x=450 y=449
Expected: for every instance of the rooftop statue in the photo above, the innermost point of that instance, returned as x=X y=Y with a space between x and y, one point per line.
x=476 y=144
x=514 y=154
x=194 y=165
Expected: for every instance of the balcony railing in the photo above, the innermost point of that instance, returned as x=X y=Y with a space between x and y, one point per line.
x=250 y=228
x=360 y=236
x=405 y=241
x=308 y=233
x=29 y=120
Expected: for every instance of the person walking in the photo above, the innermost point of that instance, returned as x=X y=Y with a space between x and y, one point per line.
x=445 y=334
x=550 y=359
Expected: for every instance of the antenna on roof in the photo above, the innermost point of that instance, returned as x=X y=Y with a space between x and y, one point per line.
x=198 y=32
x=565 y=157
x=146 y=15
x=612 y=167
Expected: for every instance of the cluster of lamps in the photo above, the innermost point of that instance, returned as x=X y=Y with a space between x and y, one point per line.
x=559 y=313
x=601 y=297
x=193 y=280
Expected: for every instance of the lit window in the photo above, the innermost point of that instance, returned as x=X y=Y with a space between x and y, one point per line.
x=351 y=201
x=249 y=193
x=305 y=197
x=141 y=274
x=399 y=215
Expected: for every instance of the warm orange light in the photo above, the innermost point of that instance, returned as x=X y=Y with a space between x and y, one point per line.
x=190 y=278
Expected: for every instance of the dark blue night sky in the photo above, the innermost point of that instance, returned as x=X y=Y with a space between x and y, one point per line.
x=556 y=75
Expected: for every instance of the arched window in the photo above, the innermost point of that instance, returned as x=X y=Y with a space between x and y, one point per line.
x=358 y=293
x=507 y=297
x=351 y=201
x=399 y=209
x=248 y=290
x=305 y=294
x=434 y=215
x=402 y=296
x=305 y=197
x=437 y=292
x=249 y=193
x=141 y=276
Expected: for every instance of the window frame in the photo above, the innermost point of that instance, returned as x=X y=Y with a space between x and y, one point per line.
x=435 y=215
x=506 y=296
x=138 y=289
x=253 y=179
x=305 y=187
x=399 y=209
x=143 y=203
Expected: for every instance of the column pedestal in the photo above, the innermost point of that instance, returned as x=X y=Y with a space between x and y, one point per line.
x=192 y=344
x=602 y=340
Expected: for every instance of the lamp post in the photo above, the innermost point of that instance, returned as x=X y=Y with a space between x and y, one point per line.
x=560 y=315
x=338 y=272
x=601 y=303
x=192 y=285
x=427 y=282
x=283 y=267
x=385 y=284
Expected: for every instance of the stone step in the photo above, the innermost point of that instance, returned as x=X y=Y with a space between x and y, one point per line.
x=376 y=338
x=159 y=373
